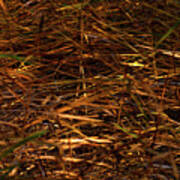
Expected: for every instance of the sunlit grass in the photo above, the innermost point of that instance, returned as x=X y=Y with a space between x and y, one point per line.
x=97 y=81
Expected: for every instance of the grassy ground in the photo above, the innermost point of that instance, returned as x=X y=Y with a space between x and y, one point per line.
x=89 y=89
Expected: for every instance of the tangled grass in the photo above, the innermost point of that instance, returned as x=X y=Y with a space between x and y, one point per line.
x=89 y=89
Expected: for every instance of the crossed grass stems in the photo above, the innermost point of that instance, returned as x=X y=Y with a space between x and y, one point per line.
x=117 y=111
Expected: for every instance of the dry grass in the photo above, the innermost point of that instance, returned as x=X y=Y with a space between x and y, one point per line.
x=83 y=93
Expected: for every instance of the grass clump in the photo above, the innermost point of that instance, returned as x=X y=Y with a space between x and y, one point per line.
x=96 y=83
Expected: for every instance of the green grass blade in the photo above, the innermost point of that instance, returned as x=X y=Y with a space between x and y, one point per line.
x=74 y=6
x=12 y=57
x=22 y=142
x=140 y=107
x=126 y=131
x=167 y=33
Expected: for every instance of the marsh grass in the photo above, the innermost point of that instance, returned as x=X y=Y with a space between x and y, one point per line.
x=78 y=70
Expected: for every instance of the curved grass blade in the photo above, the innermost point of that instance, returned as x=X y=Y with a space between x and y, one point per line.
x=22 y=142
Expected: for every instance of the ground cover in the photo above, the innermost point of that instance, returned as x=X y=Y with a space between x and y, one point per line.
x=89 y=89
